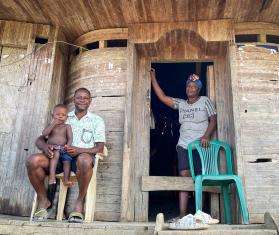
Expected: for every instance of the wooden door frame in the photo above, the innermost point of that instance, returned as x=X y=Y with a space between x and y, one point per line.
x=137 y=195
x=172 y=183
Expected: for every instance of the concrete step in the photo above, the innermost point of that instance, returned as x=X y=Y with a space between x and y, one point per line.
x=21 y=226
x=270 y=227
x=225 y=229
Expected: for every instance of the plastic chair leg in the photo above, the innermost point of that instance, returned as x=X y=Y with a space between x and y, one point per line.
x=227 y=203
x=242 y=201
x=198 y=193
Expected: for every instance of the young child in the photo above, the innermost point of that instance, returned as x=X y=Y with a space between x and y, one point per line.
x=58 y=135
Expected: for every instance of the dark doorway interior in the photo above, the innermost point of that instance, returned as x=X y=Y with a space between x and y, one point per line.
x=164 y=135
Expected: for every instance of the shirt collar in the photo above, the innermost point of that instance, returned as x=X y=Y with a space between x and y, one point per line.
x=73 y=115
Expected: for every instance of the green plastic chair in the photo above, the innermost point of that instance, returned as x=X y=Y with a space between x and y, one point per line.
x=211 y=176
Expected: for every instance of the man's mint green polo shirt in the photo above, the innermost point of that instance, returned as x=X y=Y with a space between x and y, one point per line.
x=86 y=131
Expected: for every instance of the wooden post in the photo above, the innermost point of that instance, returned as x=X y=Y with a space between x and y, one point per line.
x=211 y=93
x=141 y=137
x=127 y=197
x=262 y=38
x=102 y=44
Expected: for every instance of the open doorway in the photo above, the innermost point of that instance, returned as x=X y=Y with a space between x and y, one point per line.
x=164 y=133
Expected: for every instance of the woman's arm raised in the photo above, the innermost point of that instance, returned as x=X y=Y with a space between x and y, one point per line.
x=159 y=92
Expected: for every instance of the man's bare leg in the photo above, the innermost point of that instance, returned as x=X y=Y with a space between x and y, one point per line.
x=84 y=174
x=183 y=196
x=36 y=165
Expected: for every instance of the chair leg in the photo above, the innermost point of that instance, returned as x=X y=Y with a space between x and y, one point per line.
x=34 y=207
x=227 y=203
x=61 y=200
x=198 y=193
x=90 y=200
x=242 y=201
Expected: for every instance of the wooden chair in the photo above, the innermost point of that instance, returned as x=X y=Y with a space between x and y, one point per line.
x=90 y=199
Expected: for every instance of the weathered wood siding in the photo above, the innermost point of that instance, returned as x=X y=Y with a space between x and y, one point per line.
x=255 y=87
x=26 y=95
x=26 y=122
x=103 y=72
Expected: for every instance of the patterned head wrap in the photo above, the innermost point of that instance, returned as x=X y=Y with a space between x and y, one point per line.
x=194 y=78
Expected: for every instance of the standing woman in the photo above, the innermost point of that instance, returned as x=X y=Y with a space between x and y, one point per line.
x=197 y=117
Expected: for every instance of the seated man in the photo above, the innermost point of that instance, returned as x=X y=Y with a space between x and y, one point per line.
x=88 y=139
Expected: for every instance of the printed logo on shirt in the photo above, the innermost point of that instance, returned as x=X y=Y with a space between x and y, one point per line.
x=189 y=113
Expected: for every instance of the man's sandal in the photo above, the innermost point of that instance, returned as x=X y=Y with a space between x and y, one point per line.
x=40 y=215
x=75 y=217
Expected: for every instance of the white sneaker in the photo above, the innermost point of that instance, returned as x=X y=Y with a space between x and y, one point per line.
x=205 y=218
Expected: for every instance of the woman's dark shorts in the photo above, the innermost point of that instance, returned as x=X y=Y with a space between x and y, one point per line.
x=183 y=160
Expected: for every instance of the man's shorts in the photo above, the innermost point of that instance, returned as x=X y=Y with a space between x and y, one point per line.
x=59 y=168
x=183 y=160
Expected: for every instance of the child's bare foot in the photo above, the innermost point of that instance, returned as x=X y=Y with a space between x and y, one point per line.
x=68 y=183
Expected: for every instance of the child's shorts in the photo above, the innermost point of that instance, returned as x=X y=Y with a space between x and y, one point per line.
x=63 y=155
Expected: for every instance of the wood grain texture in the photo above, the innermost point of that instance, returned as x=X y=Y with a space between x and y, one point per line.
x=184 y=45
x=127 y=195
x=214 y=30
x=256 y=28
x=141 y=137
x=30 y=82
x=255 y=98
x=104 y=73
x=78 y=17
x=171 y=183
x=102 y=34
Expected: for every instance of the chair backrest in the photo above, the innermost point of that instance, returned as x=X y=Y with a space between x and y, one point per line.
x=210 y=157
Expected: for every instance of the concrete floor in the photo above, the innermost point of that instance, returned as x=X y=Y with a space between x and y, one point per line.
x=21 y=225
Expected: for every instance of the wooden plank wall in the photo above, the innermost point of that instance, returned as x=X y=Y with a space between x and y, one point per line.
x=59 y=72
x=25 y=93
x=255 y=86
x=104 y=73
